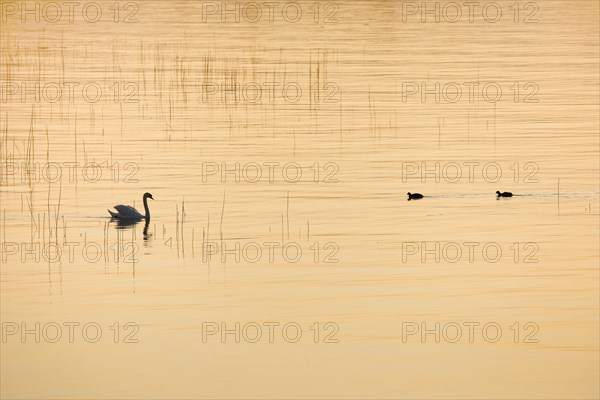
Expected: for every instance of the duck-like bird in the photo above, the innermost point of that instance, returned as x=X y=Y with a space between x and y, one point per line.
x=130 y=213
x=414 y=196
x=503 y=194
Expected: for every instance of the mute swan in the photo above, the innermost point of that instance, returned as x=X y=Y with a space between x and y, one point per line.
x=128 y=212
x=412 y=196
x=503 y=194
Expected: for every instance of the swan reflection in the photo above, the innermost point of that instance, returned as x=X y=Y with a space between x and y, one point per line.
x=127 y=224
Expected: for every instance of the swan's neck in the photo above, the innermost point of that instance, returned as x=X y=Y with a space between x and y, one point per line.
x=146 y=209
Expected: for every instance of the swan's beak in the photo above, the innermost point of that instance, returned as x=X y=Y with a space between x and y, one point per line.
x=150 y=197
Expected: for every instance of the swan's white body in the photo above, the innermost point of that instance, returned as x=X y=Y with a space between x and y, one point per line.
x=128 y=212
x=125 y=212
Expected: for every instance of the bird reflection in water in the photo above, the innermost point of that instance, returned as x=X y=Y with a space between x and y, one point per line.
x=130 y=224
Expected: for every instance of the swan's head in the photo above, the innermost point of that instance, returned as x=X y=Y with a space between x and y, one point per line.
x=148 y=196
x=498 y=192
x=408 y=194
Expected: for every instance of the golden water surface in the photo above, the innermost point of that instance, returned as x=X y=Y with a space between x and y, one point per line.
x=281 y=259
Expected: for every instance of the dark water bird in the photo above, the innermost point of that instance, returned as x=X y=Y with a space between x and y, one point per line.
x=503 y=194
x=414 y=196
x=130 y=213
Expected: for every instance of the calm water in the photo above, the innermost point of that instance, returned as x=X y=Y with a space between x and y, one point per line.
x=279 y=155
